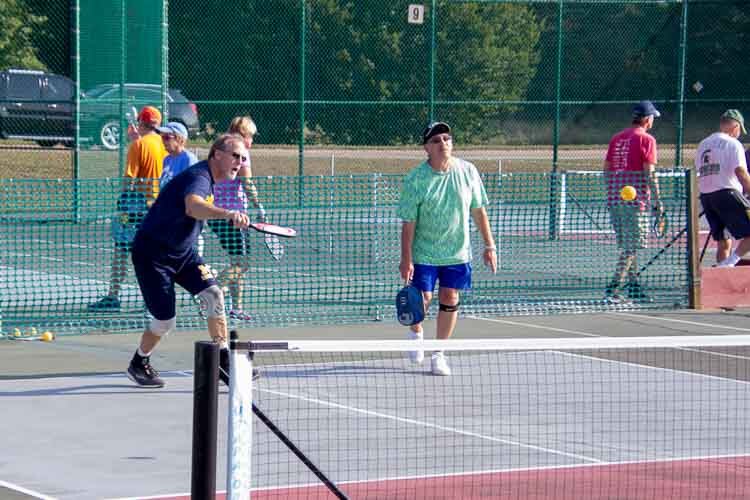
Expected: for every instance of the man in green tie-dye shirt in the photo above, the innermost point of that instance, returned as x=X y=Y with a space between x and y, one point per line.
x=437 y=200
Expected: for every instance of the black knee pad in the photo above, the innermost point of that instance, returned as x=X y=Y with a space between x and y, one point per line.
x=450 y=309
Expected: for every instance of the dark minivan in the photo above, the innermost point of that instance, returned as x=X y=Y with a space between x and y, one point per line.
x=38 y=106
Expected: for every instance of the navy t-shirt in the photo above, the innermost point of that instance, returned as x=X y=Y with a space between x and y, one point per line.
x=166 y=221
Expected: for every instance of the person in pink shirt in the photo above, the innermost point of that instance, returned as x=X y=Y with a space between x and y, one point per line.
x=630 y=161
x=237 y=194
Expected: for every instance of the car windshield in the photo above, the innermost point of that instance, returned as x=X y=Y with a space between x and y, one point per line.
x=97 y=91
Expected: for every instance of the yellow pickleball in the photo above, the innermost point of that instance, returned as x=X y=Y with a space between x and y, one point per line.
x=628 y=193
x=48 y=337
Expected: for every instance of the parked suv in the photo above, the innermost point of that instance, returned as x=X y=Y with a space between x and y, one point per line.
x=100 y=109
x=36 y=106
x=39 y=106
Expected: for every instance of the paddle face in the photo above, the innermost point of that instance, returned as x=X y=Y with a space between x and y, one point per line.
x=264 y=227
x=409 y=306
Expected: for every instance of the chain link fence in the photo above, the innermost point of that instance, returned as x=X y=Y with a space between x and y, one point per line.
x=346 y=87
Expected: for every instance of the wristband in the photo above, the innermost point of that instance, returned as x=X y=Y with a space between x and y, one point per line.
x=490 y=248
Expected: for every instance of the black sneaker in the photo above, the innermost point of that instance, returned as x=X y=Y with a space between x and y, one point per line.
x=635 y=292
x=106 y=303
x=224 y=367
x=142 y=373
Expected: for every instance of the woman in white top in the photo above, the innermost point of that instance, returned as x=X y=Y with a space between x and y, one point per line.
x=237 y=194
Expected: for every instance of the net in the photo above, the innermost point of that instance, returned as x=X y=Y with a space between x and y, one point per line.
x=343 y=264
x=636 y=418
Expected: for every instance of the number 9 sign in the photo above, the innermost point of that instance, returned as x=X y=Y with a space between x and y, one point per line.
x=416 y=14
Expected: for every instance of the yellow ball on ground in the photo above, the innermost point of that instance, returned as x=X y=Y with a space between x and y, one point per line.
x=48 y=337
x=17 y=332
x=628 y=193
x=32 y=332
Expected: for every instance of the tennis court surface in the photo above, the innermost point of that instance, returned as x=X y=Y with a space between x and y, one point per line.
x=581 y=410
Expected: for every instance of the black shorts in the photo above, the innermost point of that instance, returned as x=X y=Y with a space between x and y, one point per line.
x=232 y=240
x=157 y=271
x=727 y=209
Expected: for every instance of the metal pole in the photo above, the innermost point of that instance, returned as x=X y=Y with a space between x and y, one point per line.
x=433 y=23
x=693 y=261
x=681 y=85
x=302 y=78
x=165 y=59
x=556 y=126
x=76 y=63
x=205 y=420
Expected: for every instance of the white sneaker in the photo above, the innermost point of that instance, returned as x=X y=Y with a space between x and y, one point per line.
x=730 y=261
x=440 y=364
x=416 y=357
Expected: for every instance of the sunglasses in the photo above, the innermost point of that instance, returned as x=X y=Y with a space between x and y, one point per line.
x=239 y=157
x=440 y=138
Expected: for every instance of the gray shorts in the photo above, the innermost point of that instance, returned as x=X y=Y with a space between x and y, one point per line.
x=631 y=226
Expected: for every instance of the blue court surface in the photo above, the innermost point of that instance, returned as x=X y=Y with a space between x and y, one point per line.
x=527 y=424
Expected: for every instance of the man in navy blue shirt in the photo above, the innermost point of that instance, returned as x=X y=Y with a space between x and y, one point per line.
x=164 y=253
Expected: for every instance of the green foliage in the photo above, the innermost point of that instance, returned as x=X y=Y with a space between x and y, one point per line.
x=364 y=65
x=17 y=26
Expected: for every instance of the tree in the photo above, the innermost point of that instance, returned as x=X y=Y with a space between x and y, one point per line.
x=367 y=71
x=17 y=26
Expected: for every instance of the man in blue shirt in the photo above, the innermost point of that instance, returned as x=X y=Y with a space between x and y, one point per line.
x=175 y=136
x=164 y=253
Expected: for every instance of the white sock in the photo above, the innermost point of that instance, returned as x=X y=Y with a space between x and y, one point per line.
x=143 y=354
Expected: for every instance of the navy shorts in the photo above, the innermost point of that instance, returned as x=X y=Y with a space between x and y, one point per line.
x=157 y=272
x=727 y=209
x=456 y=276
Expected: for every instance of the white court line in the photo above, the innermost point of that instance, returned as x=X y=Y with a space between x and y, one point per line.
x=25 y=491
x=539 y=327
x=712 y=326
x=429 y=425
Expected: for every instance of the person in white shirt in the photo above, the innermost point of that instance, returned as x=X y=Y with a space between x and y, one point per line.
x=723 y=181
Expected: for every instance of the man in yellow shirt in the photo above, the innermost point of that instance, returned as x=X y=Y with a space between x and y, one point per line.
x=141 y=187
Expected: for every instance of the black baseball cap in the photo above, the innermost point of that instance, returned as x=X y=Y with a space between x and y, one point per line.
x=435 y=128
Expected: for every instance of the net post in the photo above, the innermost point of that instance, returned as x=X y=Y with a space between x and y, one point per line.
x=239 y=421
x=205 y=420
x=693 y=271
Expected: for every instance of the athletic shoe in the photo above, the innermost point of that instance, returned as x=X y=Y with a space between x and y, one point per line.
x=416 y=356
x=730 y=261
x=239 y=315
x=106 y=303
x=142 y=373
x=440 y=364
x=224 y=367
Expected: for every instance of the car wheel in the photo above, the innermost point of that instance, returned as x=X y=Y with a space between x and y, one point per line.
x=46 y=144
x=109 y=135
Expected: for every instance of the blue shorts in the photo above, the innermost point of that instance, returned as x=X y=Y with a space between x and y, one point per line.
x=157 y=271
x=456 y=276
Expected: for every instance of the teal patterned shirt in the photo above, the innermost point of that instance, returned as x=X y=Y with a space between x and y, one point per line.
x=441 y=204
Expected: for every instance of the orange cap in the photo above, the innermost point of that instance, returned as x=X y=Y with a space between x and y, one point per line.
x=150 y=115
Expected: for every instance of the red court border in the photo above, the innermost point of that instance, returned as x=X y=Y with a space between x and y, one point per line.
x=725 y=478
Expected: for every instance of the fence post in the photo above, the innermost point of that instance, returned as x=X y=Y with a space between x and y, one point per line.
x=556 y=127
x=681 y=85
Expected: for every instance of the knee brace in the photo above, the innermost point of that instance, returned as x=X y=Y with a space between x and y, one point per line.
x=212 y=301
x=450 y=309
x=161 y=328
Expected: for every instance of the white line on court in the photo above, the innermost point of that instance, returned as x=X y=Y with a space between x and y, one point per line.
x=683 y=321
x=538 y=327
x=25 y=491
x=429 y=425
